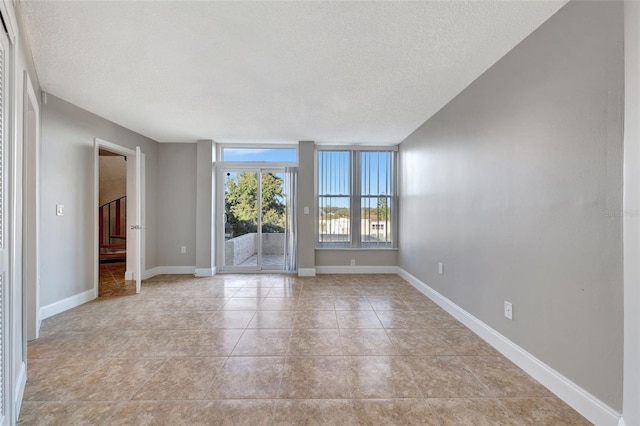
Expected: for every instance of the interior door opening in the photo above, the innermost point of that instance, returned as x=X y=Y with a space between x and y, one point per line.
x=255 y=219
x=119 y=211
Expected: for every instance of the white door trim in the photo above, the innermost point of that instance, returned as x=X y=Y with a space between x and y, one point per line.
x=31 y=272
x=131 y=203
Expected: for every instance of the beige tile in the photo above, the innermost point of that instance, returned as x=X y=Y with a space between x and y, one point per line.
x=366 y=342
x=242 y=304
x=192 y=303
x=358 y=319
x=419 y=302
x=387 y=303
x=315 y=342
x=445 y=377
x=228 y=319
x=374 y=412
x=170 y=320
x=322 y=377
x=350 y=303
x=263 y=342
x=248 y=378
x=260 y=292
x=193 y=325
x=166 y=343
x=115 y=380
x=463 y=341
x=381 y=377
x=80 y=344
x=315 y=319
x=273 y=319
x=182 y=378
x=50 y=378
x=284 y=292
x=236 y=412
x=325 y=412
x=503 y=378
x=65 y=413
x=279 y=304
x=239 y=412
x=320 y=303
x=405 y=319
x=543 y=411
x=471 y=412
x=418 y=342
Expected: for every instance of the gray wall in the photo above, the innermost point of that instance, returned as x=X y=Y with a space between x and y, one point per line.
x=370 y=257
x=113 y=178
x=177 y=204
x=306 y=197
x=516 y=186
x=67 y=177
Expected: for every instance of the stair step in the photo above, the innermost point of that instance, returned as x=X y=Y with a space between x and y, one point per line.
x=121 y=237
x=113 y=246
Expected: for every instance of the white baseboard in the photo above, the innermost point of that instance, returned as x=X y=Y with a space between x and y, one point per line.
x=129 y=275
x=361 y=269
x=170 y=270
x=582 y=401
x=66 y=304
x=205 y=272
x=20 y=385
x=306 y=272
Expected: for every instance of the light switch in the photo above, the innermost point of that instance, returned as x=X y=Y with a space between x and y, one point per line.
x=306 y=210
x=59 y=209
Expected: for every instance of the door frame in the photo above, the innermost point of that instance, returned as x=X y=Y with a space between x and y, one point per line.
x=133 y=198
x=259 y=168
x=31 y=212
x=221 y=179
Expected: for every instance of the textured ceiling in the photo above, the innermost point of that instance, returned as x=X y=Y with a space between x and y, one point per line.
x=333 y=72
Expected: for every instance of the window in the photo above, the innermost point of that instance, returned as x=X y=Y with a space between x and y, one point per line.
x=356 y=198
x=264 y=154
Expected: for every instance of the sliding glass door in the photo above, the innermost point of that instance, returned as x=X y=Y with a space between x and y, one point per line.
x=255 y=211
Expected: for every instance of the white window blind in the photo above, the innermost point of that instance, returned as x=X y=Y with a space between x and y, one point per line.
x=356 y=198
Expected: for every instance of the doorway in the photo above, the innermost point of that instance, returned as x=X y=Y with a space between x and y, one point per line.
x=119 y=236
x=112 y=225
x=255 y=219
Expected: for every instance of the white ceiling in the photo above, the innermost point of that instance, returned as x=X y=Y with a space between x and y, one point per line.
x=332 y=72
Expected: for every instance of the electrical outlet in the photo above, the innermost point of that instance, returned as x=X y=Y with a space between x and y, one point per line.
x=353 y=262
x=441 y=268
x=59 y=209
x=183 y=249
x=508 y=310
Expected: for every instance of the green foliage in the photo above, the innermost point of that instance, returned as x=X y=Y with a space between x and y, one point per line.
x=383 y=209
x=242 y=207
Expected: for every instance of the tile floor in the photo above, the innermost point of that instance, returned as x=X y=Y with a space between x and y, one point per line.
x=111 y=280
x=275 y=350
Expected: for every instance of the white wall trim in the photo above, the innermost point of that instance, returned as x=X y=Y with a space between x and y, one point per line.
x=205 y=272
x=361 y=269
x=66 y=304
x=582 y=401
x=20 y=385
x=306 y=272
x=162 y=270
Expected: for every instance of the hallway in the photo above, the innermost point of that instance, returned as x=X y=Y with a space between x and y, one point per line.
x=275 y=349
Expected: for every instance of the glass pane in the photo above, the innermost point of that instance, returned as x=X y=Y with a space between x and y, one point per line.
x=334 y=173
x=241 y=218
x=375 y=173
x=271 y=155
x=273 y=220
x=375 y=223
x=335 y=221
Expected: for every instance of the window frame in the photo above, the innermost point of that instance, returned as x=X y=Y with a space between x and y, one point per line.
x=356 y=197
